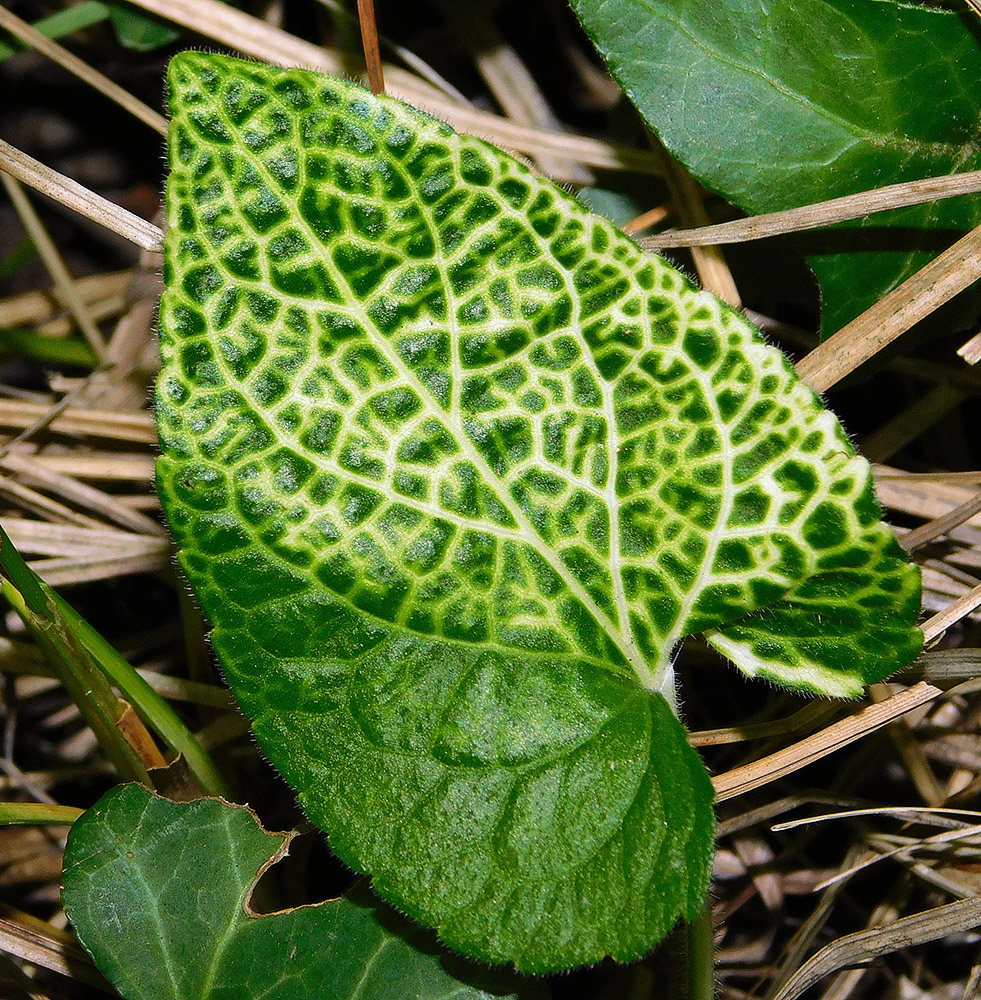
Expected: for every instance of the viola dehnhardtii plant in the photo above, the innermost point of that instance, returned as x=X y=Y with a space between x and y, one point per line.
x=452 y=467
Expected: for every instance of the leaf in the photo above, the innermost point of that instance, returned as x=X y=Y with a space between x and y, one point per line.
x=140 y=32
x=452 y=467
x=796 y=101
x=77 y=17
x=158 y=893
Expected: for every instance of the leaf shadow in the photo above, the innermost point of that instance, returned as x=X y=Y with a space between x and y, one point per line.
x=493 y=980
x=848 y=239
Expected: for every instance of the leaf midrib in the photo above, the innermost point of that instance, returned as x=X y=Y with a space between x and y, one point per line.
x=621 y=634
x=720 y=530
x=162 y=936
x=222 y=941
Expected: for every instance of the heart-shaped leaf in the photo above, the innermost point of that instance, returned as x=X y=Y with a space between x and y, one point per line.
x=452 y=467
x=158 y=893
x=780 y=104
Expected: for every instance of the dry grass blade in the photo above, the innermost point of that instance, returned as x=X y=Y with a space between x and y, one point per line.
x=962 y=607
x=941 y=525
x=822 y=213
x=946 y=666
x=865 y=945
x=649 y=218
x=103 y=294
x=244 y=33
x=102 y=465
x=43 y=422
x=16 y=984
x=53 y=262
x=372 y=52
x=37 y=503
x=909 y=846
x=45 y=538
x=22 y=660
x=507 y=78
x=78 y=198
x=885 y=474
x=59 y=54
x=710 y=263
x=75 y=554
x=972 y=988
x=116 y=425
x=66 y=572
x=798 y=945
x=806 y=717
x=94 y=500
x=43 y=945
x=944 y=583
x=954 y=270
x=971 y=351
x=404 y=55
x=845 y=983
x=940 y=498
x=910 y=751
x=760 y=772
x=909 y=814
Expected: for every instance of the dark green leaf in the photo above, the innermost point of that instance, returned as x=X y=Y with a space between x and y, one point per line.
x=77 y=17
x=797 y=101
x=139 y=32
x=18 y=342
x=158 y=893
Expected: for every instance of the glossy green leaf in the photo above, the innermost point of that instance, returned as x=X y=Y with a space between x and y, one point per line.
x=452 y=467
x=158 y=893
x=796 y=101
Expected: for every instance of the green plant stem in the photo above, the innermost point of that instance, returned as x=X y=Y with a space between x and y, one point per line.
x=83 y=660
x=151 y=707
x=700 y=945
x=85 y=684
x=36 y=814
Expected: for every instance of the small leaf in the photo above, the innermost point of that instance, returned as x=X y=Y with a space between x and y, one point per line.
x=794 y=101
x=453 y=467
x=139 y=32
x=158 y=893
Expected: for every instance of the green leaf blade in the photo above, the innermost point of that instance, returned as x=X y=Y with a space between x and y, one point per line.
x=779 y=106
x=452 y=467
x=501 y=801
x=491 y=423
x=158 y=892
